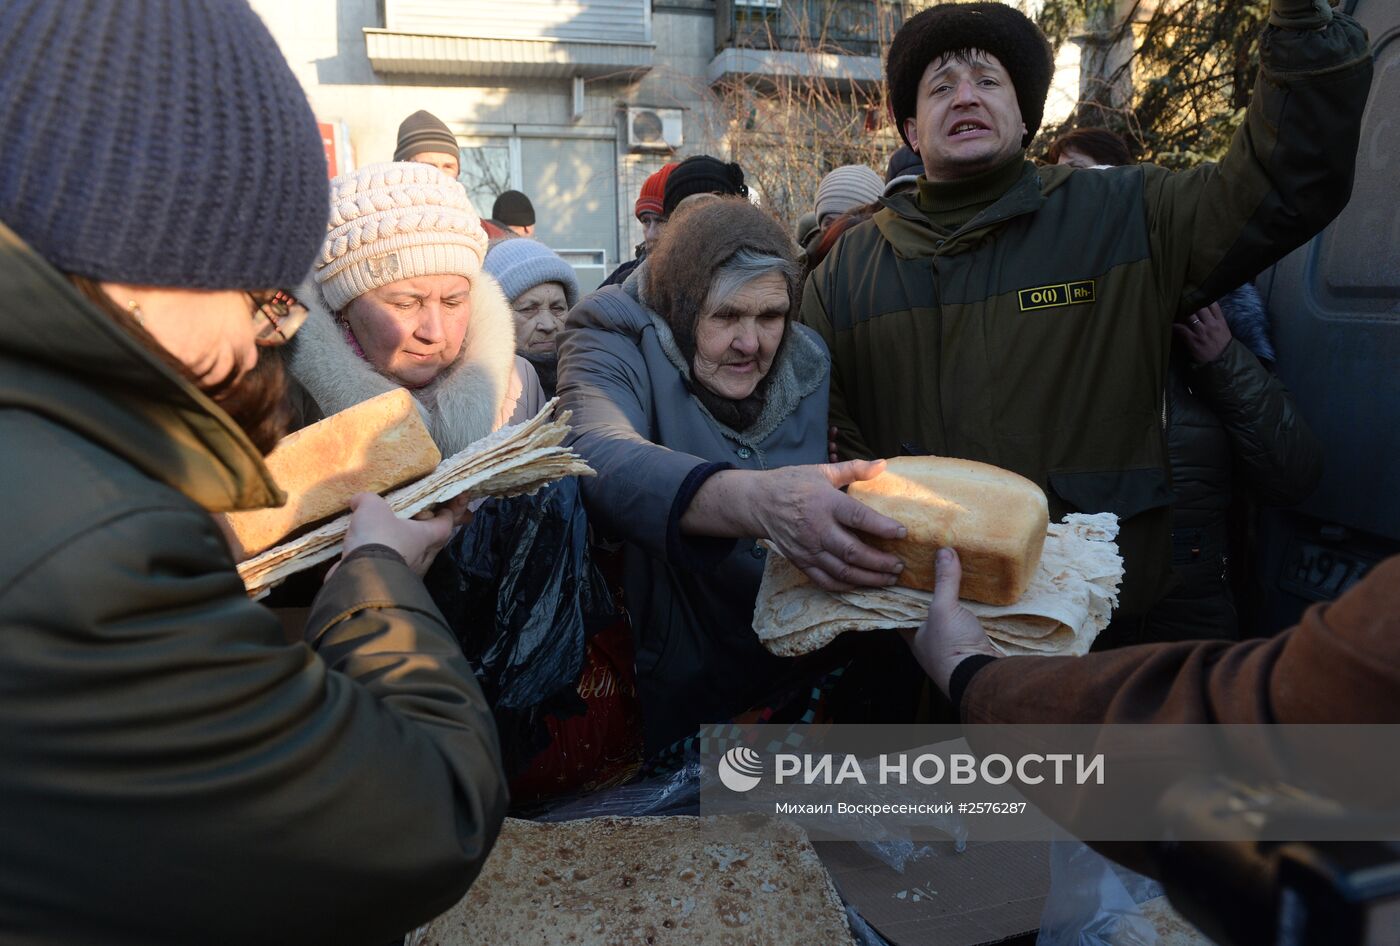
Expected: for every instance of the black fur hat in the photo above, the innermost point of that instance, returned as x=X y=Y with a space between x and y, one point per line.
x=996 y=28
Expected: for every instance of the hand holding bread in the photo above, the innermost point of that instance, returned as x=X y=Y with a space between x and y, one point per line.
x=803 y=512
x=995 y=519
x=372 y=522
x=951 y=632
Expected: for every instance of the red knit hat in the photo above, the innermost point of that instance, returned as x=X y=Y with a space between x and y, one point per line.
x=653 y=190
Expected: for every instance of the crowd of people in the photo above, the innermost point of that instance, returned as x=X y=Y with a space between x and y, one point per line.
x=177 y=298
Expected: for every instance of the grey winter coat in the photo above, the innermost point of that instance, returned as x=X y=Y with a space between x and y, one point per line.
x=690 y=598
x=1232 y=430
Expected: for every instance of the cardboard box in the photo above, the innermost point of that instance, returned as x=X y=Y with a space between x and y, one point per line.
x=989 y=893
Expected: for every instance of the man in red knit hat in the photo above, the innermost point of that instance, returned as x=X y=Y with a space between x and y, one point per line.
x=648 y=211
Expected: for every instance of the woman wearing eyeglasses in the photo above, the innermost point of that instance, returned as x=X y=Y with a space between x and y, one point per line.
x=171 y=769
x=542 y=288
x=398 y=298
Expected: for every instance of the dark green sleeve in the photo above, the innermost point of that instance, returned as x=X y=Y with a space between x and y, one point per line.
x=1287 y=174
x=1274 y=449
x=344 y=791
x=850 y=442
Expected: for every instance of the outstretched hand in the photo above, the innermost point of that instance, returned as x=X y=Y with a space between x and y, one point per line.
x=950 y=632
x=819 y=528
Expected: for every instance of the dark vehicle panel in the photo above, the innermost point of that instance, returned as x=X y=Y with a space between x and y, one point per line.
x=1335 y=307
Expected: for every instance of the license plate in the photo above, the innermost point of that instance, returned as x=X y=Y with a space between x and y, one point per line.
x=1319 y=573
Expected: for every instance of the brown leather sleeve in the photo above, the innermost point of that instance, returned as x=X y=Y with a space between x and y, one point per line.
x=1341 y=663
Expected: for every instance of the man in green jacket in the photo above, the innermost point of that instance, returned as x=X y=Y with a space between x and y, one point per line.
x=1021 y=316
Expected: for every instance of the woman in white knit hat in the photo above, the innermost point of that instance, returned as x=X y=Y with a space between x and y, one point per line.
x=400 y=300
x=542 y=288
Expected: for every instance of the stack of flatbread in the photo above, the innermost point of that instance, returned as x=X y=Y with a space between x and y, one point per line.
x=511 y=461
x=673 y=881
x=1069 y=601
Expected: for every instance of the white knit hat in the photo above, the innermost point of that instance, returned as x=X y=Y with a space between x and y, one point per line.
x=846 y=188
x=396 y=221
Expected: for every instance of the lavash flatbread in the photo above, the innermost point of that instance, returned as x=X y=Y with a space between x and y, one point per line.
x=673 y=881
x=1070 y=599
x=507 y=462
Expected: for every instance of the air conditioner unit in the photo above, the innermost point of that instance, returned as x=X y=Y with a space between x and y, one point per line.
x=653 y=129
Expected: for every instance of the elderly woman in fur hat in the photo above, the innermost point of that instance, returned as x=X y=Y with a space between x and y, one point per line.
x=703 y=407
x=400 y=300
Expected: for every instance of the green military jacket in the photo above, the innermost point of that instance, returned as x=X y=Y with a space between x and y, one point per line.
x=1036 y=336
x=171 y=769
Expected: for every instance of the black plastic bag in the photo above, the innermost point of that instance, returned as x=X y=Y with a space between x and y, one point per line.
x=519 y=589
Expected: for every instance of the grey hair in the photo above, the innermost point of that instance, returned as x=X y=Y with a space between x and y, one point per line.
x=743 y=268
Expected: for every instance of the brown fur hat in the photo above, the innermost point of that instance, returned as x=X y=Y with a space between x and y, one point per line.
x=700 y=238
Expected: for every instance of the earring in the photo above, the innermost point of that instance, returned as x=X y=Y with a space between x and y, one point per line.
x=134 y=308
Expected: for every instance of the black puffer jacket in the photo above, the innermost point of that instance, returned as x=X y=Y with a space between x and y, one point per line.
x=1231 y=427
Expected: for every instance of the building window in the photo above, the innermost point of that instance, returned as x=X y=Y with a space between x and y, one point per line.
x=572 y=183
x=486 y=170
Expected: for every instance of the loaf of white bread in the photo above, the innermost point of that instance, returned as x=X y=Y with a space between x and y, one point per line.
x=995 y=519
x=374 y=446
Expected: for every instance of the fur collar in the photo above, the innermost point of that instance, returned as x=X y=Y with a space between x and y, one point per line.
x=460 y=406
x=1249 y=320
x=800 y=369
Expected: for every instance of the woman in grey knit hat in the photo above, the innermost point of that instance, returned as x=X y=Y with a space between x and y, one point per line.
x=702 y=404
x=541 y=288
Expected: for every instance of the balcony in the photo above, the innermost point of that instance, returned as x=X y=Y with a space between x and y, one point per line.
x=513 y=38
x=839 y=40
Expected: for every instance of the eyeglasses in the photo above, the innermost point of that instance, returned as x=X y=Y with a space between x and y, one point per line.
x=276 y=316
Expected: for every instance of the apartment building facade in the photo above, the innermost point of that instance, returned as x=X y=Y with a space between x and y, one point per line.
x=574 y=102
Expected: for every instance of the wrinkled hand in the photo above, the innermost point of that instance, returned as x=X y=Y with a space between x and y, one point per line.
x=418 y=540
x=950 y=632
x=816 y=526
x=1205 y=333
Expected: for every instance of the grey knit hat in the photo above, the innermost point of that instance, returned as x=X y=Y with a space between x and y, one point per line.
x=424 y=132
x=158 y=143
x=521 y=264
x=846 y=188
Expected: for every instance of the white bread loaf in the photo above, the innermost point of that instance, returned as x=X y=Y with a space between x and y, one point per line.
x=374 y=446
x=994 y=518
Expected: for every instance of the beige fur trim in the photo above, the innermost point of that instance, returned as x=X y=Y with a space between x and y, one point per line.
x=459 y=407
